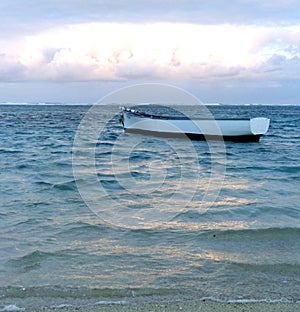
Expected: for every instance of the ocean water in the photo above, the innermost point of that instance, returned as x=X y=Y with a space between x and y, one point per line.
x=91 y=217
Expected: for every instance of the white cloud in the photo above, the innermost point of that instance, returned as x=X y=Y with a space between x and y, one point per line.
x=120 y=51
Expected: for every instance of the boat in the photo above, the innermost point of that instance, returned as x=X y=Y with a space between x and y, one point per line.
x=237 y=130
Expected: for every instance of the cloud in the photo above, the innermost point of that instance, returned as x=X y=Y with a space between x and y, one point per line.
x=122 y=51
x=21 y=17
x=195 y=42
x=279 y=67
x=10 y=70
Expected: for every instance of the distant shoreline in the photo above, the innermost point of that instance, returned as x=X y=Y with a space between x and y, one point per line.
x=90 y=104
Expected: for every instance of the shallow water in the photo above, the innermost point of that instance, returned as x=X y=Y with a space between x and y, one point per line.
x=146 y=217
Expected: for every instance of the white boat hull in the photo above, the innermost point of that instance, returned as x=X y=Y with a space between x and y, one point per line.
x=201 y=129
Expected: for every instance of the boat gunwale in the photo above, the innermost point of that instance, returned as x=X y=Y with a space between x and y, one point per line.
x=146 y=115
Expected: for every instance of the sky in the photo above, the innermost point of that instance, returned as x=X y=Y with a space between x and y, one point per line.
x=238 y=51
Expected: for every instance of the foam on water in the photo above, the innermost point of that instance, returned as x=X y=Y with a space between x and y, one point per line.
x=11 y=308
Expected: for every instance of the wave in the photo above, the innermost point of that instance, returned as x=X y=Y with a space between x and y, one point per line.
x=212 y=230
x=273 y=268
x=29 y=262
x=11 y=308
x=83 y=228
x=266 y=300
x=35 y=261
x=11 y=151
x=82 y=292
x=16 y=103
x=289 y=169
x=63 y=186
x=43 y=183
x=2 y=215
x=35 y=257
x=28 y=222
x=66 y=186
x=265 y=233
x=44 y=104
x=101 y=302
x=256 y=104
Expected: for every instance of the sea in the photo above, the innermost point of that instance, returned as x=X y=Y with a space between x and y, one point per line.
x=90 y=215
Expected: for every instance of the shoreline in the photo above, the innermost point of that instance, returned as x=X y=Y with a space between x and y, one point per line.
x=207 y=306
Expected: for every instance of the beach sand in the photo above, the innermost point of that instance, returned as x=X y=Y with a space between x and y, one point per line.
x=207 y=306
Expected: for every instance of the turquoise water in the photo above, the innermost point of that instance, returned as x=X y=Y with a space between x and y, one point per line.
x=147 y=218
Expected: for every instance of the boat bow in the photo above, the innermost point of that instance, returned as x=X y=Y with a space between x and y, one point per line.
x=259 y=125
